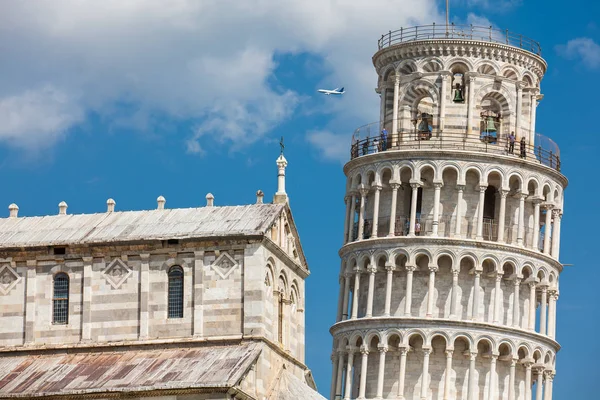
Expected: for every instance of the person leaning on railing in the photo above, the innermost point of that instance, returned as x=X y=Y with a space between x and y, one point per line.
x=522 y=148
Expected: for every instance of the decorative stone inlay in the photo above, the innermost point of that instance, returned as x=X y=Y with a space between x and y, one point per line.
x=8 y=279
x=224 y=265
x=117 y=273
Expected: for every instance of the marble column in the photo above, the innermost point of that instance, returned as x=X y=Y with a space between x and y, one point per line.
x=532 y=301
x=547 y=229
x=413 y=208
x=457 y=228
x=340 y=371
x=540 y=383
x=355 y=294
x=430 y=291
x=528 y=383
x=409 y=279
x=381 y=372
x=533 y=116
x=361 y=216
x=549 y=379
x=470 y=105
x=346 y=296
x=498 y=299
x=552 y=314
x=389 y=267
x=364 y=351
x=471 y=381
x=395 y=108
x=402 y=374
x=536 y=224
x=349 y=367
x=476 y=290
x=521 y=228
x=444 y=93
x=519 y=109
x=395 y=186
x=512 y=379
x=372 y=269
x=502 y=215
x=425 y=379
x=351 y=219
x=437 y=186
x=516 y=303
x=493 y=388
x=348 y=201
x=448 y=374
x=454 y=294
x=340 y=309
x=482 y=190
x=375 y=223
x=556 y=232
x=334 y=369
x=543 y=308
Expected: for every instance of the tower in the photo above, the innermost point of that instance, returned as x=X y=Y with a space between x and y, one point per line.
x=449 y=272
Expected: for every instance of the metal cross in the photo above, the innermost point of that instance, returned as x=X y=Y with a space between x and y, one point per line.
x=281 y=145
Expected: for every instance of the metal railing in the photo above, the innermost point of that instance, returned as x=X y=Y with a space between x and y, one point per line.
x=465 y=32
x=367 y=140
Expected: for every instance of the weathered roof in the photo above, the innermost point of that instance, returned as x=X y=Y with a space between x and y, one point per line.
x=30 y=376
x=290 y=387
x=124 y=226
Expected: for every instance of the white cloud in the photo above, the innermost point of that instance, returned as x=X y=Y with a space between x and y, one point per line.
x=584 y=49
x=332 y=146
x=204 y=62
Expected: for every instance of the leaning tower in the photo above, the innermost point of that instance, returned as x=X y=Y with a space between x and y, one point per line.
x=449 y=272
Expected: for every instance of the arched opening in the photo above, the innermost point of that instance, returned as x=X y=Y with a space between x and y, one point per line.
x=491 y=120
x=465 y=288
x=425 y=196
x=60 y=299
x=443 y=288
x=175 y=303
x=460 y=365
x=488 y=286
x=448 y=203
x=507 y=312
x=420 y=286
x=437 y=366
x=415 y=358
x=458 y=71
x=471 y=203
x=398 y=304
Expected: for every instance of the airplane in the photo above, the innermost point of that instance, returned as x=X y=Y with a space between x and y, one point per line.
x=336 y=91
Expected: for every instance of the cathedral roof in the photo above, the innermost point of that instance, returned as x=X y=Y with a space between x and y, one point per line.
x=290 y=387
x=103 y=373
x=129 y=226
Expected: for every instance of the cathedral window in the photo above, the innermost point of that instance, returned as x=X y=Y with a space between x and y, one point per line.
x=175 y=306
x=60 y=299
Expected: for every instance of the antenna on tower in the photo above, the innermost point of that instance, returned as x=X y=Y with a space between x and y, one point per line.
x=447 y=16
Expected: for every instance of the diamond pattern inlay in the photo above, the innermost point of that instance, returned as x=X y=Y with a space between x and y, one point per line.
x=8 y=279
x=224 y=265
x=117 y=273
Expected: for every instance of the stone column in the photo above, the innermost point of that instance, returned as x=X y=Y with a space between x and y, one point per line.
x=536 y=223
x=402 y=375
x=349 y=365
x=409 y=279
x=502 y=215
x=340 y=371
x=375 y=223
x=431 y=288
x=372 y=269
x=447 y=376
x=519 y=108
x=471 y=382
x=347 y=201
x=540 y=383
x=547 y=229
x=492 y=391
x=361 y=216
x=395 y=186
x=511 y=379
x=340 y=309
x=436 y=207
x=528 y=383
x=549 y=378
x=413 y=208
x=444 y=92
x=144 y=294
x=334 y=368
x=482 y=190
x=460 y=189
x=30 y=307
x=533 y=116
x=351 y=219
x=364 y=350
x=521 y=229
x=556 y=232
x=498 y=299
x=389 y=267
x=198 y=276
x=346 y=296
x=532 y=301
x=552 y=314
x=381 y=372
x=470 y=105
x=543 y=308
x=86 y=312
x=395 y=108
x=476 y=289
x=516 y=303
x=454 y=294
x=382 y=98
x=355 y=294
x=425 y=380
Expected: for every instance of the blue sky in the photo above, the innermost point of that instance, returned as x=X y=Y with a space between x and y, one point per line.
x=132 y=100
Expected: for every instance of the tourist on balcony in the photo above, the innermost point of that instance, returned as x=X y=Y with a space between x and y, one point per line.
x=375 y=145
x=522 y=147
x=365 y=147
x=384 y=138
x=511 y=143
x=417 y=228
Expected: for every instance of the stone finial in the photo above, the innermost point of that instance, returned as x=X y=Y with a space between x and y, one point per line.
x=62 y=208
x=110 y=205
x=161 y=203
x=13 y=210
x=210 y=200
x=281 y=196
x=259 y=196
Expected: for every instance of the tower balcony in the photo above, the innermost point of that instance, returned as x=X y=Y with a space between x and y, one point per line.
x=368 y=140
x=458 y=32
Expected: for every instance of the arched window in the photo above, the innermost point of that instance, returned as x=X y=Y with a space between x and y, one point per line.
x=175 y=292
x=60 y=299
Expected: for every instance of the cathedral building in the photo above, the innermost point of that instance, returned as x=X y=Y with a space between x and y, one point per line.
x=450 y=263
x=196 y=303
